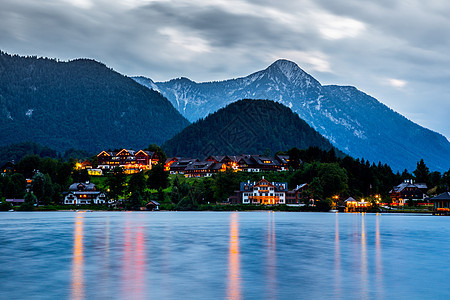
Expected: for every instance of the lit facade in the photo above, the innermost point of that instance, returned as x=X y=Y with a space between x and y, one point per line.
x=84 y=193
x=262 y=192
x=130 y=160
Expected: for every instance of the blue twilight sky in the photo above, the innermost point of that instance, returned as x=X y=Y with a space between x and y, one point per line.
x=396 y=51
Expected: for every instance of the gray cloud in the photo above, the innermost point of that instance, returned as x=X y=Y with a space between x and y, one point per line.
x=394 y=50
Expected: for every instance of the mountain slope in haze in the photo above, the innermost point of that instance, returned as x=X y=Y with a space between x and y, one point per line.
x=353 y=121
x=80 y=104
x=246 y=127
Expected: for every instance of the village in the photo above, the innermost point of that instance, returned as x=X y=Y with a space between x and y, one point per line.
x=259 y=192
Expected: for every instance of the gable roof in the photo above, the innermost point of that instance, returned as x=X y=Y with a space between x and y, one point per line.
x=350 y=199
x=86 y=186
x=406 y=184
x=200 y=165
x=131 y=152
x=444 y=196
x=279 y=186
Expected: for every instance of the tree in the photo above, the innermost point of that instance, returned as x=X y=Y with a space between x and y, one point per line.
x=136 y=190
x=162 y=157
x=175 y=195
x=81 y=175
x=294 y=158
x=5 y=206
x=316 y=188
x=116 y=182
x=38 y=186
x=42 y=188
x=422 y=172
x=15 y=186
x=224 y=185
x=334 y=179
x=135 y=201
x=28 y=165
x=137 y=183
x=157 y=177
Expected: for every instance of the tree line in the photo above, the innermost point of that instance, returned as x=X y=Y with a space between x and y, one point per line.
x=326 y=174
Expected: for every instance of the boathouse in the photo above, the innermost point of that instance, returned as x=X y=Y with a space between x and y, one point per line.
x=442 y=204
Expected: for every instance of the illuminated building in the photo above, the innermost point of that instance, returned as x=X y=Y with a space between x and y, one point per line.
x=407 y=190
x=9 y=167
x=130 y=160
x=84 y=193
x=442 y=204
x=262 y=192
x=204 y=169
x=352 y=205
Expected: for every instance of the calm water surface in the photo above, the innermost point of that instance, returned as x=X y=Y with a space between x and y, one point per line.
x=230 y=255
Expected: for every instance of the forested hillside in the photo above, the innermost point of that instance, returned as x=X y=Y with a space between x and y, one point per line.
x=246 y=126
x=79 y=104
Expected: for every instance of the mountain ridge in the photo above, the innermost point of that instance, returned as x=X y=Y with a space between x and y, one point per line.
x=246 y=127
x=79 y=104
x=353 y=121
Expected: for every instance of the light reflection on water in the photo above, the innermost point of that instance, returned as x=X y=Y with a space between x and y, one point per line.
x=78 y=260
x=212 y=255
x=271 y=258
x=234 y=272
x=337 y=259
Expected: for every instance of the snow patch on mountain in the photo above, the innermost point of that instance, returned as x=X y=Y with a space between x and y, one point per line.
x=349 y=118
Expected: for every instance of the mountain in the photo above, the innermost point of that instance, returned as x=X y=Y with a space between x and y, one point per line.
x=353 y=121
x=246 y=127
x=80 y=104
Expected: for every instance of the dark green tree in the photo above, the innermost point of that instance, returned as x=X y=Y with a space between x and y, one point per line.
x=294 y=158
x=42 y=188
x=116 y=183
x=28 y=165
x=333 y=178
x=225 y=184
x=162 y=157
x=15 y=186
x=175 y=195
x=422 y=172
x=137 y=183
x=157 y=177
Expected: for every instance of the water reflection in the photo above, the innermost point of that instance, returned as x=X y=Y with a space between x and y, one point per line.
x=134 y=262
x=337 y=259
x=78 y=260
x=378 y=256
x=364 y=274
x=271 y=258
x=140 y=262
x=234 y=276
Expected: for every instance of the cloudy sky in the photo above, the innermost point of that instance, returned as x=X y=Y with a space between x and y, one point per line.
x=395 y=50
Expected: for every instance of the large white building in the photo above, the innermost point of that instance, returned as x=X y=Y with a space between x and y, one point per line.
x=263 y=192
x=84 y=193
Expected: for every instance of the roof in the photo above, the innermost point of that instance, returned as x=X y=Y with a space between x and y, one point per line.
x=131 y=152
x=86 y=192
x=299 y=187
x=217 y=158
x=148 y=153
x=350 y=199
x=408 y=184
x=200 y=165
x=442 y=197
x=9 y=165
x=15 y=200
x=279 y=186
x=182 y=163
x=85 y=186
x=153 y=202
x=282 y=158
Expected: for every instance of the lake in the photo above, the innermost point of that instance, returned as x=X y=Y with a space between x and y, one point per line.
x=223 y=255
